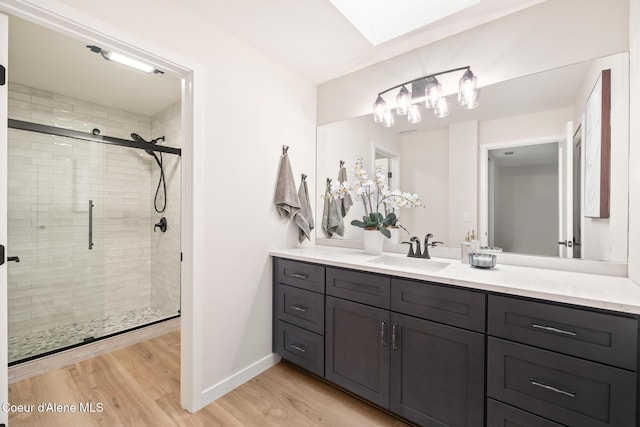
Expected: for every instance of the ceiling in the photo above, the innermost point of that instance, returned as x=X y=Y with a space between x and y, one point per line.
x=311 y=37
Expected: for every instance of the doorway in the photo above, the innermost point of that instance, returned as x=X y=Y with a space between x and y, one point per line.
x=58 y=18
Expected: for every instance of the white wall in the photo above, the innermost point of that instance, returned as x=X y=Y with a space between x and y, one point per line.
x=425 y=171
x=544 y=36
x=463 y=181
x=245 y=117
x=634 y=141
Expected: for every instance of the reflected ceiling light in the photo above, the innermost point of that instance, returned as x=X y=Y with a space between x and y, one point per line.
x=442 y=108
x=125 y=60
x=388 y=120
x=407 y=102
x=414 y=115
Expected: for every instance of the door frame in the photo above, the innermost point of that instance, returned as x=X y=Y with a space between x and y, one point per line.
x=69 y=21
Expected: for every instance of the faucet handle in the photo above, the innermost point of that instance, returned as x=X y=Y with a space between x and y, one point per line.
x=411 y=253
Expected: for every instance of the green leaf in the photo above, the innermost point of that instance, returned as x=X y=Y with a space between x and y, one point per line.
x=358 y=223
x=386 y=232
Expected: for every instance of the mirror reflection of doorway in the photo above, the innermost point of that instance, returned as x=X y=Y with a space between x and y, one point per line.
x=389 y=166
x=523 y=188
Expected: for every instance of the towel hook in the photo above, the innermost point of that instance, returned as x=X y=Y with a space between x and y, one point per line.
x=304 y=177
x=341 y=163
x=285 y=148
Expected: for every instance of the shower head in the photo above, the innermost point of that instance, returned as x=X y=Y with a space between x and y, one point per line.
x=138 y=138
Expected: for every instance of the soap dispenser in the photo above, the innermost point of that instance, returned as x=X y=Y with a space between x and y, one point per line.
x=466 y=249
x=475 y=243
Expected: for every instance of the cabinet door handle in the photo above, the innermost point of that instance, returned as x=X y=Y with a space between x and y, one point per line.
x=299 y=276
x=383 y=333
x=299 y=347
x=555 y=330
x=394 y=336
x=552 y=388
x=300 y=308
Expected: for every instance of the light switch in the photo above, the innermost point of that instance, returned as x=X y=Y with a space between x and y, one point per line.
x=467 y=217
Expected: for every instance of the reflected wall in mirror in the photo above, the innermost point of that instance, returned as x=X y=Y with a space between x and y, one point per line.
x=446 y=162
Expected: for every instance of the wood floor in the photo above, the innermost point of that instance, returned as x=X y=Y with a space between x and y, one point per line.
x=139 y=386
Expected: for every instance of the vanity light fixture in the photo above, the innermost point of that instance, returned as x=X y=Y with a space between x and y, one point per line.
x=125 y=60
x=426 y=89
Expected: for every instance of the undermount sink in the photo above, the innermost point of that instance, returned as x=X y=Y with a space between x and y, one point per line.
x=417 y=263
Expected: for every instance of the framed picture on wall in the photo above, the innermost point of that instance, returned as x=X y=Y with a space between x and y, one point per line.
x=597 y=148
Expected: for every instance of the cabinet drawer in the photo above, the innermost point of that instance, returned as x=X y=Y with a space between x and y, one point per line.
x=457 y=307
x=501 y=415
x=301 y=308
x=301 y=347
x=562 y=388
x=595 y=336
x=300 y=274
x=366 y=288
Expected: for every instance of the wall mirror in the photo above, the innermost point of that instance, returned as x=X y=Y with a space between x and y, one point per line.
x=512 y=170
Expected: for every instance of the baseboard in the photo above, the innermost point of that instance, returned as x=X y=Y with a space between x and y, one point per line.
x=223 y=387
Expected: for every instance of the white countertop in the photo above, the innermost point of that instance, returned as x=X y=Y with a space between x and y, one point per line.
x=589 y=290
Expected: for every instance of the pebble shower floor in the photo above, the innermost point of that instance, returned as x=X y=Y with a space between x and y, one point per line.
x=25 y=346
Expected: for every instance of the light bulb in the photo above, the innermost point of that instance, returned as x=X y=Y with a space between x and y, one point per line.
x=389 y=120
x=414 y=115
x=379 y=109
x=468 y=92
x=403 y=101
x=433 y=92
x=442 y=108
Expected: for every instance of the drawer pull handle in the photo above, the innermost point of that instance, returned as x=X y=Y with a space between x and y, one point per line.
x=552 y=388
x=394 y=337
x=556 y=330
x=300 y=308
x=299 y=347
x=299 y=276
x=383 y=333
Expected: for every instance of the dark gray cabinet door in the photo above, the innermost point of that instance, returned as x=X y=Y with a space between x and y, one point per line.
x=437 y=373
x=357 y=349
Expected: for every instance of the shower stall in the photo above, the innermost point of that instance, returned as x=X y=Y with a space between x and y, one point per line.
x=93 y=222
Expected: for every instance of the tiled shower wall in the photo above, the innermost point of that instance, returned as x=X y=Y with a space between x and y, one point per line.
x=59 y=281
x=165 y=247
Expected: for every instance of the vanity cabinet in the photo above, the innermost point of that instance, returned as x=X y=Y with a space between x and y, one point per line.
x=298 y=307
x=572 y=366
x=440 y=355
x=427 y=372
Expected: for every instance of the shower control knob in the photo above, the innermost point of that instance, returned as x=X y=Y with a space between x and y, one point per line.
x=162 y=225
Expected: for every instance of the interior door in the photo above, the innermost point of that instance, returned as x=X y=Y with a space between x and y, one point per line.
x=565 y=192
x=4 y=59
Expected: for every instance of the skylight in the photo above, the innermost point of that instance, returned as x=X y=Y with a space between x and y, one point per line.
x=383 y=20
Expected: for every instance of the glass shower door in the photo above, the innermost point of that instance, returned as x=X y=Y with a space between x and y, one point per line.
x=56 y=227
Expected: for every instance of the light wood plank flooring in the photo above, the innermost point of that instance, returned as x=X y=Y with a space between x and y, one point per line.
x=140 y=386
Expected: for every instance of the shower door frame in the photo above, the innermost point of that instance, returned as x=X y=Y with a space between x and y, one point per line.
x=61 y=18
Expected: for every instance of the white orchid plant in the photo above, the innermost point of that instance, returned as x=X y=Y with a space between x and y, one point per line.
x=379 y=202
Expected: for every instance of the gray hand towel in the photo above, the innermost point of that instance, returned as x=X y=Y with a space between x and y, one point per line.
x=331 y=219
x=286 y=199
x=346 y=202
x=304 y=217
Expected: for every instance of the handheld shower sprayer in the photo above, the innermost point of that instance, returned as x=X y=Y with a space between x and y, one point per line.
x=158 y=158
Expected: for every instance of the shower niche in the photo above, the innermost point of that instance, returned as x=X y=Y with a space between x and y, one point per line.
x=84 y=197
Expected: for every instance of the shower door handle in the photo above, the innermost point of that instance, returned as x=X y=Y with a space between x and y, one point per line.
x=90 y=224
